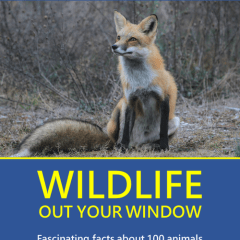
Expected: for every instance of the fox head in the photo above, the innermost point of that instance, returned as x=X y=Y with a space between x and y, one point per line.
x=133 y=40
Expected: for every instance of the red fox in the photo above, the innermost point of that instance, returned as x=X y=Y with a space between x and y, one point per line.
x=145 y=113
x=142 y=74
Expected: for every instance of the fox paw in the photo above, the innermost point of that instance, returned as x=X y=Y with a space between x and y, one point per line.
x=121 y=147
x=161 y=145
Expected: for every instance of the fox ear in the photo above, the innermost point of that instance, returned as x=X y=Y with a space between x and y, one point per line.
x=149 y=25
x=120 y=21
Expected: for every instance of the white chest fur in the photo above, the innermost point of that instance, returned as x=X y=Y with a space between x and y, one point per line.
x=138 y=74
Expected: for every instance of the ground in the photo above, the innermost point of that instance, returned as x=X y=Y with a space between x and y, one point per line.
x=208 y=130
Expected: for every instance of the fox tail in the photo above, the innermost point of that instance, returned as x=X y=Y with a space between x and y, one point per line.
x=64 y=135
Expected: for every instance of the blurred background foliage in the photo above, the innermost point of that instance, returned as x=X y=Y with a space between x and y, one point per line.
x=61 y=51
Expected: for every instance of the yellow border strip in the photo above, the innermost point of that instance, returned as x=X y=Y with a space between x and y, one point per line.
x=120 y=158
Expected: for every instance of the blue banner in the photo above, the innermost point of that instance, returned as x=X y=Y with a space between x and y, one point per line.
x=119 y=199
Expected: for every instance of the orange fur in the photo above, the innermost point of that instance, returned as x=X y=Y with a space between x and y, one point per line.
x=113 y=124
x=164 y=78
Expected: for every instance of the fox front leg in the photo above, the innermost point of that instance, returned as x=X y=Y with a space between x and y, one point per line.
x=127 y=129
x=163 y=141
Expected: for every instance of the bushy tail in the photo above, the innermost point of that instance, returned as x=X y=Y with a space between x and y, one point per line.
x=64 y=135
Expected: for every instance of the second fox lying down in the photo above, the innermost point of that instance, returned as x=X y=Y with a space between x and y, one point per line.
x=145 y=113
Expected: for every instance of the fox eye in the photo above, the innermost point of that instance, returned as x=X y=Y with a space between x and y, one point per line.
x=132 y=39
x=118 y=37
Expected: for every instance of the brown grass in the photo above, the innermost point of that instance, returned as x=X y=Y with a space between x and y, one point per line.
x=207 y=130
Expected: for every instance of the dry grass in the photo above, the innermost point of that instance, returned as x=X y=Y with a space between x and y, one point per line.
x=208 y=130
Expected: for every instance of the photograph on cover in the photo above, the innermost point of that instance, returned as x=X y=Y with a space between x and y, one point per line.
x=119 y=79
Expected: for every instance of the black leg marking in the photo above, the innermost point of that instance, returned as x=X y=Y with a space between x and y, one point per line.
x=132 y=121
x=116 y=132
x=128 y=126
x=163 y=142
